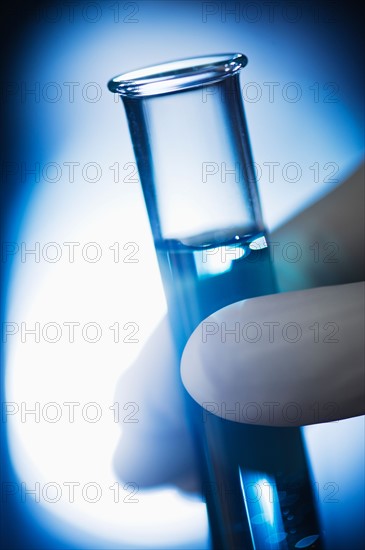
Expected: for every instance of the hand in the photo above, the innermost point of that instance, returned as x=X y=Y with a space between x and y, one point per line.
x=158 y=450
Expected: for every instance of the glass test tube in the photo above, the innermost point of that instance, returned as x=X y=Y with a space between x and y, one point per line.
x=191 y=143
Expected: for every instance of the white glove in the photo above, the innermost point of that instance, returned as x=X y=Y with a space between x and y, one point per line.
x=322 y=373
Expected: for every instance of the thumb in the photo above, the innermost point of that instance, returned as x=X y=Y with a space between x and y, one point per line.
x=288 y=359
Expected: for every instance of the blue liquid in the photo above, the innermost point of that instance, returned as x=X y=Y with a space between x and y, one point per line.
x=201 y=278
x=254 y=478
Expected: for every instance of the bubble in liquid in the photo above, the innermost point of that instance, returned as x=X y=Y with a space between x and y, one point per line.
x=307 y=541
x=276 y=537
x=258 y=519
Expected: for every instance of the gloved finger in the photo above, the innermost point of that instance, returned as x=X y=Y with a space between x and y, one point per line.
x=157 y=449
x=288 y=359
x=324 y=243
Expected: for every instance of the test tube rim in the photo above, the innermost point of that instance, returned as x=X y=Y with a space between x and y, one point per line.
x=177 y=75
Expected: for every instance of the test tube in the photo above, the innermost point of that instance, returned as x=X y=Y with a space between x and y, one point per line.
x=191 y=143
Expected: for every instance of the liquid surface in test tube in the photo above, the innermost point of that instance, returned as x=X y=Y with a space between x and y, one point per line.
x=264 y=466
x=202 y=274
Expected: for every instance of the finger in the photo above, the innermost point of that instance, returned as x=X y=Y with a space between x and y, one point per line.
x=323 y=244
x=290 y=359
x=158 y=448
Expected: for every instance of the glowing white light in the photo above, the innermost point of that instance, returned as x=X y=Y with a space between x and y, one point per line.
x=39 y=372
x=258 y=244
x=214 y=261
x=266 y=500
